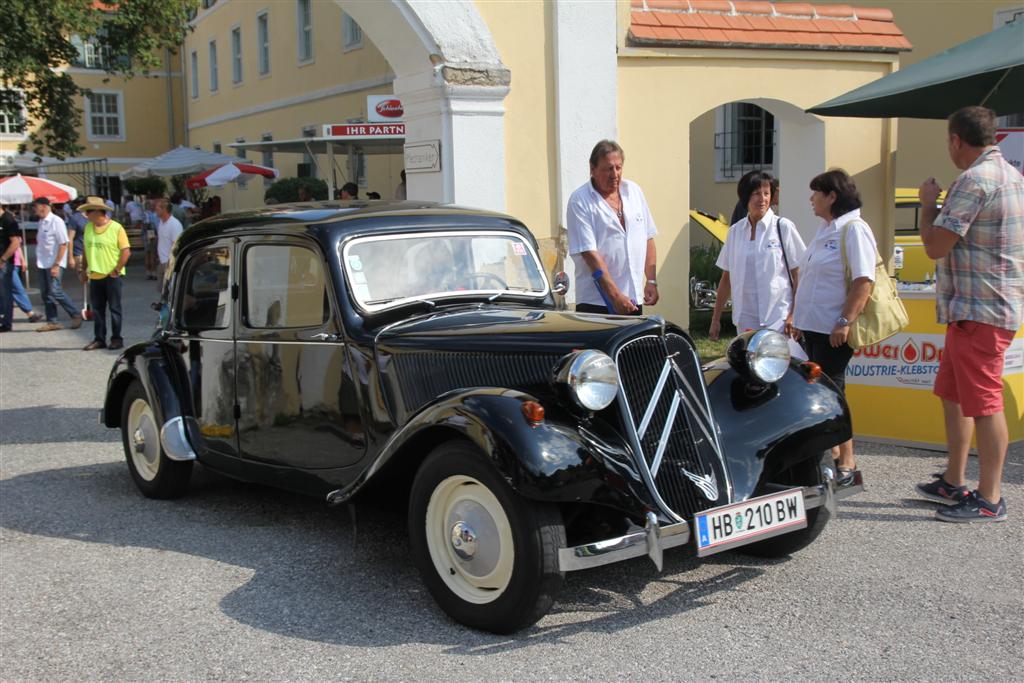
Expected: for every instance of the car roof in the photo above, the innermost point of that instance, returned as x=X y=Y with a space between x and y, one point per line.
x=345 y=216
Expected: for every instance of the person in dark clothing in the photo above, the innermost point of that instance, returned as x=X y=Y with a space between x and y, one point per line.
x=10 y=242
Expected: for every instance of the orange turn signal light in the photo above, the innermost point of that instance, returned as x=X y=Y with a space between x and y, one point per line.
x=812 y=371
x=533 y=412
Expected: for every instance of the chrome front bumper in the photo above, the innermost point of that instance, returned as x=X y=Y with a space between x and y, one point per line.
x=653 y=539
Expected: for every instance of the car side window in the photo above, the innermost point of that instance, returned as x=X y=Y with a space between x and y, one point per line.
x=206 y=295
x=284 y=287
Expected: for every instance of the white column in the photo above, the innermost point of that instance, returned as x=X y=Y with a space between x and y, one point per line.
x=586 y=92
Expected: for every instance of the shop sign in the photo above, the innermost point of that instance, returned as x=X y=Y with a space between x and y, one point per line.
x=1011 y=144
x=423 y=157
x=384 y=109
x=911 y=361
x=364 y=130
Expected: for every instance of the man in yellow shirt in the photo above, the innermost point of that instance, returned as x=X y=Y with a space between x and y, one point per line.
x=106 y=253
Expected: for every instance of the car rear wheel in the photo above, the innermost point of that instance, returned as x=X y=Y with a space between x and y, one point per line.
x=156 y=475
x=488 y=556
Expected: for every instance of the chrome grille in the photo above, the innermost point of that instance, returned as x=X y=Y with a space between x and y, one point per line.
x=664 y=404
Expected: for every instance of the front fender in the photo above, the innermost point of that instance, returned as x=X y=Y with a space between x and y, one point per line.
x=559 y=460
x=766 y=431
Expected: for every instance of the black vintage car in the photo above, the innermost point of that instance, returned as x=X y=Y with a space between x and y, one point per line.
x=324 y=348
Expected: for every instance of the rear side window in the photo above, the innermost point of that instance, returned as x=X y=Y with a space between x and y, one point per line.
x=206 y=295
x=284 y=287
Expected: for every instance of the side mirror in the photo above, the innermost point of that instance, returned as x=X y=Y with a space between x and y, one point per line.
x=561 y=284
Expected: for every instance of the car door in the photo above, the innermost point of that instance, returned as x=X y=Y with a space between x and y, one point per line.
x=204 y=327
x=297 y=403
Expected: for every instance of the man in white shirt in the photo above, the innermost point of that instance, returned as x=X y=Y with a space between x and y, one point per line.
x=167 y=233
x=611 y=239
x=52 y=246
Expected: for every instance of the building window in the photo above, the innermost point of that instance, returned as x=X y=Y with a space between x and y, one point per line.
x=307 y=169
x=104 y=116
x=90 y=55
x=194 y=67
x=213 y=66
x=263 y=43
x=304 y=22
x=352 y=35
x=216 y=148
x=745 y=140
x=236 y=55
x=12 y=113
x=207 y=4
x=268 y=157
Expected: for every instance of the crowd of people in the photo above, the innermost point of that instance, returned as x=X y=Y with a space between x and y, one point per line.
x=84 y=235
x=813 y=292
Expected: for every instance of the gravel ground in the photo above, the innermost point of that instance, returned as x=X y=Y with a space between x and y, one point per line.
x=242 y=582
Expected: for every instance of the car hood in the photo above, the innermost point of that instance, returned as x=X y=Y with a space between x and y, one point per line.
x=499 y=328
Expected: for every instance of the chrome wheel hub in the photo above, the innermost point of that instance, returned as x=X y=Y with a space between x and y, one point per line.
x=463 y=540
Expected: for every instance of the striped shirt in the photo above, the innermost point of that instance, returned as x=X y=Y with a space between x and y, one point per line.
x=982 y=278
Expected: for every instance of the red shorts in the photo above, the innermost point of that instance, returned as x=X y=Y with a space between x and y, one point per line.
x=971 y=369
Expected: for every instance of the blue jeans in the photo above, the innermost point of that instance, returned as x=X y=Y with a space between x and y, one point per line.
x=52 y=294
x=21 y=299
x=6 y=296
x=101 y=293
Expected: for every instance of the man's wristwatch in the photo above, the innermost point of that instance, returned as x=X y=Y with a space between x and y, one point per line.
x=841 y=321
x=652 y=281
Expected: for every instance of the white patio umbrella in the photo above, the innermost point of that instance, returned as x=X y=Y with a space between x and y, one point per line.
x=178 y=161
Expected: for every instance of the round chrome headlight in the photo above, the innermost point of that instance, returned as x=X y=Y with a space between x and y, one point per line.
x=591 y=377
x=768 y=355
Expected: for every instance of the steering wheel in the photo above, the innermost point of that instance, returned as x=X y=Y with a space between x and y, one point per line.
x=475 y=280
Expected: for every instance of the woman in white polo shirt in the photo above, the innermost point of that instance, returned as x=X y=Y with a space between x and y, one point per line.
x=759 y=262
x=825 y=305
x=611 y=238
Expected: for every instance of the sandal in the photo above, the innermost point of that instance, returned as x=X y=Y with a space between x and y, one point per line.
x=845 y=474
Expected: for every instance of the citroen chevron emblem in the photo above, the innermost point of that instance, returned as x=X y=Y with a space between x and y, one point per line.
x=707 y=483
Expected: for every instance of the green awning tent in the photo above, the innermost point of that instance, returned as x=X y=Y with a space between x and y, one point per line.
x=988 y=70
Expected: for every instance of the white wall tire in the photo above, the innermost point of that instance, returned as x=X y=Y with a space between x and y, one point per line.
x=155 y=475
x=488 y=556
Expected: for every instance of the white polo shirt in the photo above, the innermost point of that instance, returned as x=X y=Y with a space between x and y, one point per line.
x=593 y=226
x=51 y=232
x=761 y=295
x=822 y=291
x=167 y=232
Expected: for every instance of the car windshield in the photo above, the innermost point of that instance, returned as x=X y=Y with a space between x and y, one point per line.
x=388 y=270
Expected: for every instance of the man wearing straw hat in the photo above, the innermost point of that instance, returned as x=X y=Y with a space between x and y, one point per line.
x=106 y=253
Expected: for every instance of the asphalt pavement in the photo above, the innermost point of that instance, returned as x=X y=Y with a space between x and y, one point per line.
x=242 y=582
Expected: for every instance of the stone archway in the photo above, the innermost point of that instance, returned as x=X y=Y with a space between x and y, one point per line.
x=452 y=84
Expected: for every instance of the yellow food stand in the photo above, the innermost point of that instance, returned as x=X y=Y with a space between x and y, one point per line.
x=889 y=385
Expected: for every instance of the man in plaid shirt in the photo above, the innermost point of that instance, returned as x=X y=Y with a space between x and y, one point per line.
x=978 y=242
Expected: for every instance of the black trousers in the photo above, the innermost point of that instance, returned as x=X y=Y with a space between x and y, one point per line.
x=833 y=361
x=103 y=293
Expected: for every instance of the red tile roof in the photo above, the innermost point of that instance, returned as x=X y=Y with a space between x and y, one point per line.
x=755 y=24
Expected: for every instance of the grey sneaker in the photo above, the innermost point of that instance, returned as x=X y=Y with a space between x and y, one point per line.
x=941 y=491
x=973 y=508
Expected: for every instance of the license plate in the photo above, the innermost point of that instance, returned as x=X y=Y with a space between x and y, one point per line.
x=752 y=520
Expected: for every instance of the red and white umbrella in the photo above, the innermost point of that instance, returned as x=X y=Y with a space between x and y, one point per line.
x=229 y=173
x=22 y=189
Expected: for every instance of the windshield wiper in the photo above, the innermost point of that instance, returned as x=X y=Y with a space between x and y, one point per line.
x=516 y=290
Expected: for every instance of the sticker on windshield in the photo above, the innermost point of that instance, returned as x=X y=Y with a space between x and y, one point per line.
x=518 y=249
x=355 y=263
x=359 y=278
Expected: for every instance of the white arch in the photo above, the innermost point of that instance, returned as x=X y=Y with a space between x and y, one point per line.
x=452 y=84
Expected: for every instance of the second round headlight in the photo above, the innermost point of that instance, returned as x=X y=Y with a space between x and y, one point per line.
x=592 y=378
x=768 y=355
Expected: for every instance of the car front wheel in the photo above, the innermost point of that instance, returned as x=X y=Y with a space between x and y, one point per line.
x=488 y=556
x=156 y=475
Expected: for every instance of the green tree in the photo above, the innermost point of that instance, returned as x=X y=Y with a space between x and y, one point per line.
x=36 y=41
